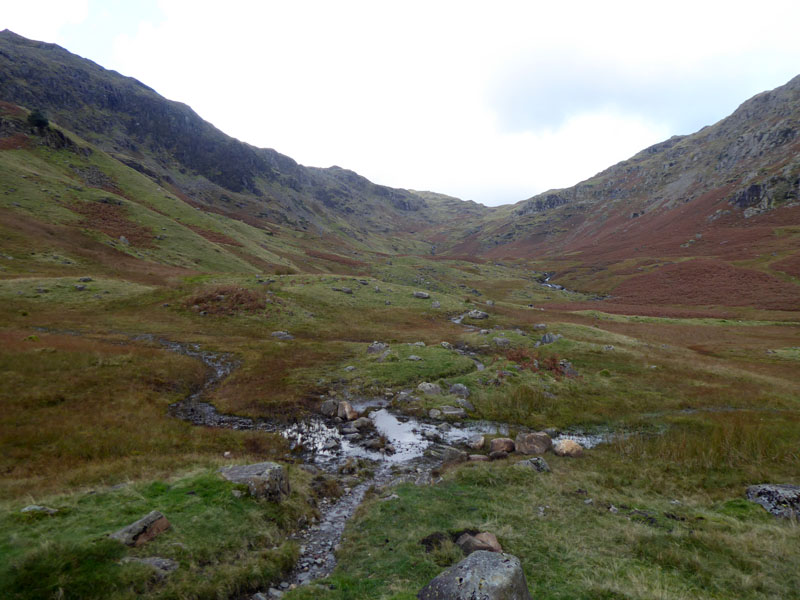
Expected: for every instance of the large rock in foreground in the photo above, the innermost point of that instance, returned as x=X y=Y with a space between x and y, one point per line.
x=143 y=530
x=533 y=443
x=482 y=575
x=781 y=500
x=263 y=480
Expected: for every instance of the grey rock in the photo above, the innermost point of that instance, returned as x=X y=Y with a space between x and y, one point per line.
x=80 y=288
x=143 y=530
x=460 y=390
x=533 y=443
x=781 y=500
x=477 y=314
x=162 y=566
x=362 y=422
x=549 y=338
x=282 y=335
x=35 y=508
x=377 y=348
x=446 y=454
x=435 y=413
x=84 y=279
x=414 y=357
x=540 y=327
x=537 y=463
x=436 y=304
x=568 y=369
x=453 y=412
x=480 y=576
x=431 y=389
x=263 y=480
x=446 y=345
x=329 y=407
x=124 y=241
x=422 y=295
x=501 y=342
x=349 y=368
x=608 y=348
x=490 y=303
x=465 y=404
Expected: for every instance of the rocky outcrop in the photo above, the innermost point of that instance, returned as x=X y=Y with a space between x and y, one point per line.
x=263 y=480
x=143 y=530
x=781 y=500
x=480 y=576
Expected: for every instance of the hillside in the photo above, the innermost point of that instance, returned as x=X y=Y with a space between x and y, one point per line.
x=400 y=372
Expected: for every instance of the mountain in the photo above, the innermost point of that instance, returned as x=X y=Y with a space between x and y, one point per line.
x=170 y=143
x=710 y=218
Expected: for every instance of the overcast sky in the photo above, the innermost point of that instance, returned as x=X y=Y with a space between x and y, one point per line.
x=490 y=101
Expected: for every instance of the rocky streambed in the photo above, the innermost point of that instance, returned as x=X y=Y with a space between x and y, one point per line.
x=398 y=448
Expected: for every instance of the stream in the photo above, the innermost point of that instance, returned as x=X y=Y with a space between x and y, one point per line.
x=406 y=451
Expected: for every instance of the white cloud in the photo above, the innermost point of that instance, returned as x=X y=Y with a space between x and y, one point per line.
x=493 y=102
x=44 y=19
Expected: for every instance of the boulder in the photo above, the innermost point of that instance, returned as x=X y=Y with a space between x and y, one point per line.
x=498 y=455
x=422 y=295
x=478 y=458
x=263 y=480
x=569 y=448
x=781 y=500
x=490 y=540
x=549 y=338
x=536 y=463
x=329 y=408
x=346 y=411
x=435 y=413
x=501 y=445
x=469 y=544
x=459 y=389
x=431 y=389
x=533 y=443
x=465 y=404
x=414 y=357
x=445 y=454
x=282 y=335
x=143 y=530
x=377 y=348
x=481 y=575
x=362 y=422
x=476 y=442
x=477 y=314
x=453 y=412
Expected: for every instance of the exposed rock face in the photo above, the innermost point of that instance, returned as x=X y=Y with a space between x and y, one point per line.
x=143 y=530
x=781 y=500
x=263 y=480
x=569 y=448
x=429 y=388
x=480 y=576
x=533 y=443
x=501 y=445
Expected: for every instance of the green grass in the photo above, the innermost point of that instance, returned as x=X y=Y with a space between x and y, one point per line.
x=224 y=545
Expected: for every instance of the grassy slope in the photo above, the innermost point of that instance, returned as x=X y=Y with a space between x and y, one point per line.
x=84 y=405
